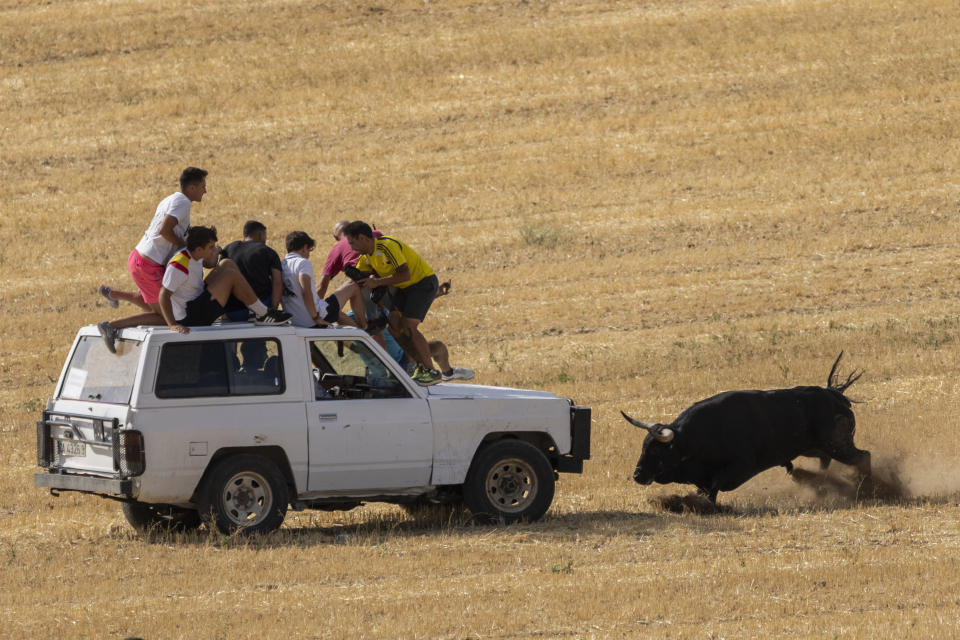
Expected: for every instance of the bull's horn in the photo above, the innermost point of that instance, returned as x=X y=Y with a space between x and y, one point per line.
x=662 y=434
x=649 y=426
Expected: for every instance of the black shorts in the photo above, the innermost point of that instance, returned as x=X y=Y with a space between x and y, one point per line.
x=202 y=311
x=414 y=301
x=333 y=309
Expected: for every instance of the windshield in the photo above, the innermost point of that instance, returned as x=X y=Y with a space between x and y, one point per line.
x=96 y=374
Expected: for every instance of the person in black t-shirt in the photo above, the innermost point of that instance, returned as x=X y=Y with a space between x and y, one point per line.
x=259 y=264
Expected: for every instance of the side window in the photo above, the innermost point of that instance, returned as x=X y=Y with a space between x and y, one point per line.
x=222 y=368
x=349 y=370
x=256 y=367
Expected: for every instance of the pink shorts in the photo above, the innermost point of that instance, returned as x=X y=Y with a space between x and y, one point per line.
x=147 y=275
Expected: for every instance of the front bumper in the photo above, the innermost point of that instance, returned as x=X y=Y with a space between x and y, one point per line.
x=579 y=442
x=110 y=487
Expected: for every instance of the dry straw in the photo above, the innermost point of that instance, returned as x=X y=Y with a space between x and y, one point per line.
x=639 y=204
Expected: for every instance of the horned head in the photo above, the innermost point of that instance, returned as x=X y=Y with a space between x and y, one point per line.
x=661 y=432
x=833 y=381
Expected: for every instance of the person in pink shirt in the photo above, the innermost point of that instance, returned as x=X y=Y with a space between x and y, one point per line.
x=340 y=256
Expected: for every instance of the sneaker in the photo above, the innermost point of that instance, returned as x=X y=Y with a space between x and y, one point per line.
x=458 y=373
x=273 y=317
x=105 y=292
x=426 y=377
x=109 y=335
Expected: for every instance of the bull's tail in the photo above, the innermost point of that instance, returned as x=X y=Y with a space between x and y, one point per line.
x=832 y=382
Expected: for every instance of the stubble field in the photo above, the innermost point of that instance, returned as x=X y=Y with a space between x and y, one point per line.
x=639 y=204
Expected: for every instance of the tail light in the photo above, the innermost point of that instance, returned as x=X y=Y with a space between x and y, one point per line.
x=128 y=454
x=44 y=444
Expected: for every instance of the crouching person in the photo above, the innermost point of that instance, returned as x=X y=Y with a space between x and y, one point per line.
x=189 y=300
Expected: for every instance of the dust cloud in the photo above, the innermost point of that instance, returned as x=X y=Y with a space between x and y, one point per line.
x=895 y=479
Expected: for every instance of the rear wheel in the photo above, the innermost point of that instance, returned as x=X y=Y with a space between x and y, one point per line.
x=246 y=493
x=509 y=480
x=146 y=517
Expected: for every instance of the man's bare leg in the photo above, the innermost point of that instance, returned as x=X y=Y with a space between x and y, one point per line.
x=145 y=319
x=226 y=280
x=109 y=329
x=440 y=353
x=442 y=357
x=402 y=338
x=350 y=292
x=422 y=349
x=131 y=297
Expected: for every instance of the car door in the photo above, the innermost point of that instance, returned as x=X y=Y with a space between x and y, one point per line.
x=367 y=430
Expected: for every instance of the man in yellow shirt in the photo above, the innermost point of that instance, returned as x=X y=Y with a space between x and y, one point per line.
x=393 y=263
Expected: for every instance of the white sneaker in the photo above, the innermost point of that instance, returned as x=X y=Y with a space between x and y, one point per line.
x=458 y=373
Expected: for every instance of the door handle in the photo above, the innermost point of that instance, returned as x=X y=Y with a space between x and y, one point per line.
x=328 y=416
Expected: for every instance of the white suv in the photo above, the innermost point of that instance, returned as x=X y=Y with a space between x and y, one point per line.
x=240 y=422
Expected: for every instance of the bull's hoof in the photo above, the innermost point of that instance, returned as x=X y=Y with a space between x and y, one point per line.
x=690 y=503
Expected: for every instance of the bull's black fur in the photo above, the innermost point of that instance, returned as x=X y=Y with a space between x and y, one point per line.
x=719 y=443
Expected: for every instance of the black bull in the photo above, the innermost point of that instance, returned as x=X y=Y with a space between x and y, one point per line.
x=719 y=443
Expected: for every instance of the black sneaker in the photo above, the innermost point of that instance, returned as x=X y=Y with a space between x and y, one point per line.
x=355 y=274
x=376 y=325
x=109 y=335
x=273 y=317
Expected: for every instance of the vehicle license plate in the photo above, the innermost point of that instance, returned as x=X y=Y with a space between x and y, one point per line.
x=72 y=448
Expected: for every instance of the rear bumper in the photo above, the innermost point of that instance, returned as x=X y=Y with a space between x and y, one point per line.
x=112 y=487
x=579 y=442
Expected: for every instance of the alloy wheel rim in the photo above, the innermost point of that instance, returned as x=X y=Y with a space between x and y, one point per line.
x=511 y=485
x=247 y=498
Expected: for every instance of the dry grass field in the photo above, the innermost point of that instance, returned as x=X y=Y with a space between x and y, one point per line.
x=640 y=204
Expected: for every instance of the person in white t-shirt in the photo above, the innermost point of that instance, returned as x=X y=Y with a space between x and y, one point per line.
x=300 y=297
x=188 y=300
x=163 y=238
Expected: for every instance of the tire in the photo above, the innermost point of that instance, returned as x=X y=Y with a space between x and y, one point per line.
x=147 y=518
x=509 y=481
x=247 y=494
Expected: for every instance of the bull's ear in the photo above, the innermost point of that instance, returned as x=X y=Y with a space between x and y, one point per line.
x=663 y=434
x=649 y=426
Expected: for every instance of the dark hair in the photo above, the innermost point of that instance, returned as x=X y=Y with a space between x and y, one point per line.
x=191 y=175
x=199 y=237
x=251 y=227
x=297 y=240
x=358 y=228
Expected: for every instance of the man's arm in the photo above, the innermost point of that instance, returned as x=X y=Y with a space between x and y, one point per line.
x=401 y=275
x=167 y=231
x=276 y=277
x=306 y=291
x=322 y=287
x=166 y=309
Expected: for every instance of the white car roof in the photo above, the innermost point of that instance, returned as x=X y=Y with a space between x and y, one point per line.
x=233 y=329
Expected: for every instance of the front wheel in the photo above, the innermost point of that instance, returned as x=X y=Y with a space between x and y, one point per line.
x=509 y=480
x=145 y=517
x=246 y=493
